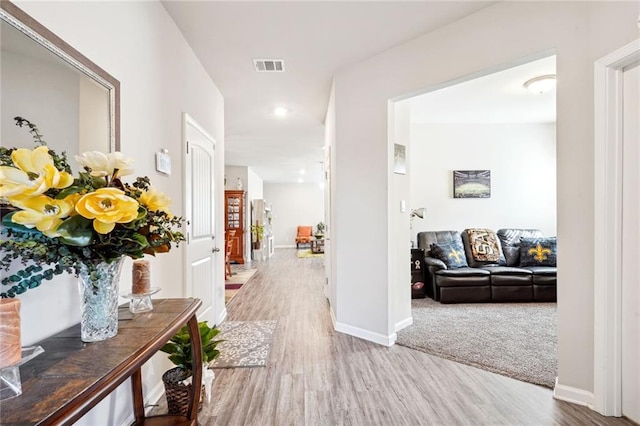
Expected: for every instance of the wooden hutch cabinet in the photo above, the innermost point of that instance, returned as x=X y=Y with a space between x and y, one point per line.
x=234 y=207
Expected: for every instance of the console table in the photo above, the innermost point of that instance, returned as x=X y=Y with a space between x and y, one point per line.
x=71 y=377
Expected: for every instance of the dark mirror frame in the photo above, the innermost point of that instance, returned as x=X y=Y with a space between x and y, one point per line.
x=33 y=29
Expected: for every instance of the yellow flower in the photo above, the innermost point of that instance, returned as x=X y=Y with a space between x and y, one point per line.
x=154 y=200
x=33 y=175
x=44 y=213
x=73 y=200
x=102 y=164
x=107 y=206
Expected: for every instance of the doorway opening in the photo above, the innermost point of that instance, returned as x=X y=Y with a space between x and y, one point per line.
x=493 y=140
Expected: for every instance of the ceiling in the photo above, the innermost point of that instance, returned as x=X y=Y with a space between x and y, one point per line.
x=498 y=97
x=315 y=39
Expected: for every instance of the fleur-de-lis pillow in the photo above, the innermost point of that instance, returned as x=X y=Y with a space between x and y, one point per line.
x=538 y=251
x=451 y=253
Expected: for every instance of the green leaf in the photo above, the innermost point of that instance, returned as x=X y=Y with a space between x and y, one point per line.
x=7 y=223
x=68 y=191
x=76 y=231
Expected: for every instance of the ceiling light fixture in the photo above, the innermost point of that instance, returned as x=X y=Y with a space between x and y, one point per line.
x=280 y=111
x=541 y=84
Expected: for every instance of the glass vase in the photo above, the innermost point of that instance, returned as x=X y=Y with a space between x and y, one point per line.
x=98 y=285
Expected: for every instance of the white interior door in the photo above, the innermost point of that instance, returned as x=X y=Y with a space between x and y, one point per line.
x=202 y=244
x=630 y=246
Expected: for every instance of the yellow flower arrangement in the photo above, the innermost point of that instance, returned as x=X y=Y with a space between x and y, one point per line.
x=52 y=218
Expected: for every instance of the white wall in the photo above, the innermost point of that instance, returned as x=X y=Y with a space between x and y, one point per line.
x=138 y=44
x=400 y=257
x=522 y=160
x=503 y=35
x=293 y=204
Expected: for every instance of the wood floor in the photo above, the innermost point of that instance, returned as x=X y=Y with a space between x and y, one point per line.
x=316 y=376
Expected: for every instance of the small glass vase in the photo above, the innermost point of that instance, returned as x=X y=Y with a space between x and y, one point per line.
x=98 y=285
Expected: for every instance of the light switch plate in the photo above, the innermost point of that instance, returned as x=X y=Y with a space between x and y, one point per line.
x=403 y=206
x=163 y=163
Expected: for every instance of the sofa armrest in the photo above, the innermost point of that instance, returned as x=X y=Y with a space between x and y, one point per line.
x=434 y=264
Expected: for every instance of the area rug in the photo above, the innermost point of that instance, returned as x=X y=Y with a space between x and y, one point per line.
x=518 y=340
x=246 y=344
x=233 y=285
x=304 y=254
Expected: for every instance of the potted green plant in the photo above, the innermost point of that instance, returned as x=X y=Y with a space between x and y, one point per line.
x=179 y=350
x=257 y=232
x=319 y=230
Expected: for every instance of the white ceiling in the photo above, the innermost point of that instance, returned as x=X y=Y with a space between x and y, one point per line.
x=315 y=39
x=495 y=98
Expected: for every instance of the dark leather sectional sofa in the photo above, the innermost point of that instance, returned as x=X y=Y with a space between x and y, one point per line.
x=501 y=281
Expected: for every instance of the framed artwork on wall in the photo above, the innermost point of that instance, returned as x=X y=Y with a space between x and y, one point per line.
x=399 y=159
x=472 y=184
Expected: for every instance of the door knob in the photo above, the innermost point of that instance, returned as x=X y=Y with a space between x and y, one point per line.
x=215 y=250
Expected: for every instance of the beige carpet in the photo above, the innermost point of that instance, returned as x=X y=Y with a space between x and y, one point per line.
x=234 y=284
x=513 y=339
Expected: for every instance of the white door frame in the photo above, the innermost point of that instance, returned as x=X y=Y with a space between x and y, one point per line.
x=187 y=120
x=607 y=359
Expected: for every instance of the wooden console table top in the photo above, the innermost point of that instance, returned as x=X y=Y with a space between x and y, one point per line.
x=70 y=377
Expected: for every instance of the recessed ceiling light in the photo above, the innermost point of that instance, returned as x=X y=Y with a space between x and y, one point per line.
x=280 y=111
x=302 y=171
x=541 y=84
x=299 y=180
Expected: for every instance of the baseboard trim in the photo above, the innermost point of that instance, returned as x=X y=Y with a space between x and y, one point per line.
x=222 y=317
x=153 y=398
x=333 y=317
x=360 y=333
x=573 y=395
x=403 y=324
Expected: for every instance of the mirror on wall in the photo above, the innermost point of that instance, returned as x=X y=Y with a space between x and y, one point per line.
x=74 y=103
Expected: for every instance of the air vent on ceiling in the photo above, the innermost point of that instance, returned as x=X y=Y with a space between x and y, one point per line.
x=269 y=65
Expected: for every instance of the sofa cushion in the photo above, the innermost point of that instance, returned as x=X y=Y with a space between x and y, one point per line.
x=426 y=238
x=512 y=254
x=538 y=251
x=543 y=270
x=510 y=241
x=507 y=270
x=544 y=275
x=463 y=272
x=451 y=253
x=484 y=240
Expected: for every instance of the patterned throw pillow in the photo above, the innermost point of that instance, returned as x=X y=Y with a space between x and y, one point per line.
x=451 y=253
x=484 y=245
x=538 y=251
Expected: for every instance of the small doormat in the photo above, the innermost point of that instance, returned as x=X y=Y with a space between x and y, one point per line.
x=246 y=343
x=304 y=254
x=233 y=285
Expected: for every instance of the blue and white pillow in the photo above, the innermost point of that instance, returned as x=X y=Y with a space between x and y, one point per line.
x=451 y=253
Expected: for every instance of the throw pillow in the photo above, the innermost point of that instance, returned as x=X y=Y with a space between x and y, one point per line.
x=451 y=253
x=484 y=245
x=538 y=251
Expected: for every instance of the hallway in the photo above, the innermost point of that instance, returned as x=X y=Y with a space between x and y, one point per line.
x=316 y=376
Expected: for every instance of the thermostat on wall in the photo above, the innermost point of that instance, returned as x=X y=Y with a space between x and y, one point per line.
x=163 y=162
